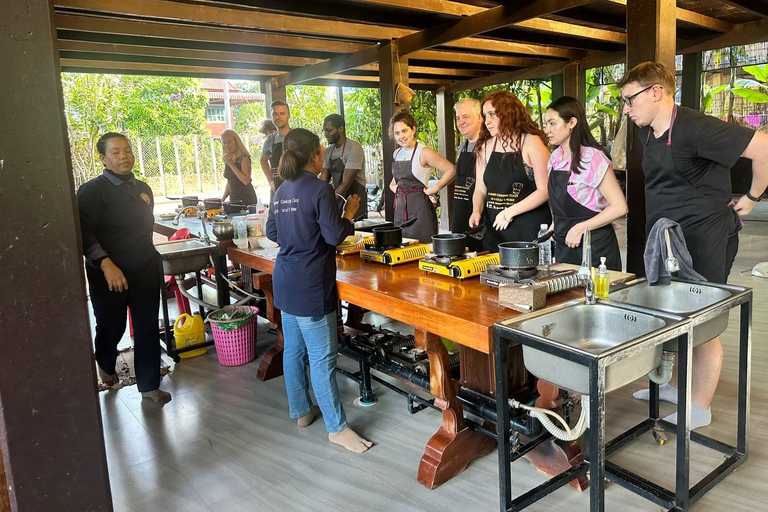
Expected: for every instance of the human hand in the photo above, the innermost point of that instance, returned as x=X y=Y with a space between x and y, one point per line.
x=115 y=278
x=272 y=185
x=743 y=206
x=573 y=238
x=353 y=202
x=229 y=158
x=430 y=191
x=502 y=220
x=474 y=220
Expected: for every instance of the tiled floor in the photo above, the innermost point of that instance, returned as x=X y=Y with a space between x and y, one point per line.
x=225 y=442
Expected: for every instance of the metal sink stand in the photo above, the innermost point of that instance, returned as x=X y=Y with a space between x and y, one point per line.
x=595 y=443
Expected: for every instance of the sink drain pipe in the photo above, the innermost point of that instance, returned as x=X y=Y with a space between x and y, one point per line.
x=663 y=373
x=565 y=433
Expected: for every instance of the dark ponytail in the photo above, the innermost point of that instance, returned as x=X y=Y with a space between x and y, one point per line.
x=300 y=146
x=568 y=107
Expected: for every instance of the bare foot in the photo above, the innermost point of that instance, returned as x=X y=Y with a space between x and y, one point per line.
x=349 y=439
x=308 y=418
x=158 y=395
x=107 y=379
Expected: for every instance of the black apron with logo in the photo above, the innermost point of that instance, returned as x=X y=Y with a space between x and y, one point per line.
x=507 y=183
x=464 y=188
x=274 y=162
x=709 y=226
x=568 y=212
x=336 y=166
x=411 y=202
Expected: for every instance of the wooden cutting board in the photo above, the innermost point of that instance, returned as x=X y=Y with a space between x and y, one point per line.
x=614 y=277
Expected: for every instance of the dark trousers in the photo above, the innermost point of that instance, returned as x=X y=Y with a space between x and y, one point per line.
x=110 y=310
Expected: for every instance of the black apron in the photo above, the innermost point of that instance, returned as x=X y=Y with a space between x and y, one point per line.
x=336 y=166
x=238 y=191
x=709 y=226
x=567 y=212
x=411 y=202
x=507 y=183
x=464 y=188
x=274 y=162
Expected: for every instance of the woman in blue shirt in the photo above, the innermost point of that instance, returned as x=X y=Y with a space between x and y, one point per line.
x=307 y=224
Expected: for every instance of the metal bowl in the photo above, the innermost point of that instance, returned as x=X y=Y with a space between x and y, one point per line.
x=223 y=230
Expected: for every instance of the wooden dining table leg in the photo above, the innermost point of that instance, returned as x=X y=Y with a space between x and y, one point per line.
x=272 y=363
x=453 y=446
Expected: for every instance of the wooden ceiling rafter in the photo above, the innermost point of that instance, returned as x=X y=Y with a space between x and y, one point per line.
x=759 y=7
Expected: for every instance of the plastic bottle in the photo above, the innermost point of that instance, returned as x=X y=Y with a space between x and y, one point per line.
x=241 y=240
x=545 y=249
x=601 y=281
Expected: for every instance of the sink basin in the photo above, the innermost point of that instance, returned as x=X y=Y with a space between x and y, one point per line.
x=182 y=256
x=593 y=330
x=681 y=298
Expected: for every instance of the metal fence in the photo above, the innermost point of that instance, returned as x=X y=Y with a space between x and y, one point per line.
x=188 y=164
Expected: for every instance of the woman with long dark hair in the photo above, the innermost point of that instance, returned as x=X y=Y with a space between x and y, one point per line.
x=511 y=189
x=583 y=190
x=307 y=224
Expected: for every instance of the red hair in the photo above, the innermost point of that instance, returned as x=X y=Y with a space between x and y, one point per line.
x=514 y=121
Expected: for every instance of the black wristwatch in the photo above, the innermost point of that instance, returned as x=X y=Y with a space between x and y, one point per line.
x=753 y=198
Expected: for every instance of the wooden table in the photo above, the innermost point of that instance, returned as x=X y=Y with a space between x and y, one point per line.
x=436 y=306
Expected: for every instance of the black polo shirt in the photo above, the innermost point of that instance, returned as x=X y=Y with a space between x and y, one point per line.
x=116 y=220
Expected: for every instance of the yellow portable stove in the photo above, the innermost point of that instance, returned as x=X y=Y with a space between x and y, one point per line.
x=355 y=248
x=403 y=253
x=461 y=267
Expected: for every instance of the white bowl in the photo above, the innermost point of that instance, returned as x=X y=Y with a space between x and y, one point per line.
x=266 y=243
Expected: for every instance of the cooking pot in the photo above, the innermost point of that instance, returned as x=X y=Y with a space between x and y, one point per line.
x=453 y=244
x=212 y=204
x=233 y=207
x=390 y=236
x=189 y=201
x=223 y=230
x=519 y=255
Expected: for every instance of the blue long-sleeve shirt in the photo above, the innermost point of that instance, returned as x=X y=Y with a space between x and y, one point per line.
x=306 y=222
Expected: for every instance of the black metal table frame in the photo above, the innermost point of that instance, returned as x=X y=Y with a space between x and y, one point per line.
x=597 y=466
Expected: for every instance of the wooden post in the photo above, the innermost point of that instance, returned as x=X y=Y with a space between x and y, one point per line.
x=558 y=86
x=51 y=435
x=178 y=163
x=271 y=92
x=197 y=164
x=141 y=157
x=340 y=101
x=690 y=90
x=446 y=146
x=575 y=82
x=160 y=166
x=392 y=69
x=213 y=162
x=651 y=33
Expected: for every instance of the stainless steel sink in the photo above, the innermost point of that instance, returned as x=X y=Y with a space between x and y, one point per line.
x=595 y=330
x=182 y=256
x=681 y=298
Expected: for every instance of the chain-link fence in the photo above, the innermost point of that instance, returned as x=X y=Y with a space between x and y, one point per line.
x=188 y=164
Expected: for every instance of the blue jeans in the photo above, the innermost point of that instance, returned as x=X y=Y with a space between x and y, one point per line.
x=314 y=337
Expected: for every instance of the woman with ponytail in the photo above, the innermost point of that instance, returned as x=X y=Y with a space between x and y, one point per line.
x=305 y=221
x=583 y=190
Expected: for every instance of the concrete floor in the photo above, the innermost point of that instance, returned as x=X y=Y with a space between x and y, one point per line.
x=226 y=443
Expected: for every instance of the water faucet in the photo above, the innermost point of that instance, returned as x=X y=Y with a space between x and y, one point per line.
x=671 y=263
x=585 y=272
x=201 y=214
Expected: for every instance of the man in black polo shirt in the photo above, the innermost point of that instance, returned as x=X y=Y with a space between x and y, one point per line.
x=122 y=264
x=687 y=157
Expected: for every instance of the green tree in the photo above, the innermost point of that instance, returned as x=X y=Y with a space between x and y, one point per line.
x=309 y=105
x=362 y=113
x=248 y=117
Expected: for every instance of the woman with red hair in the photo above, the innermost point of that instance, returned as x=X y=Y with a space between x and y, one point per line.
x=511 y=189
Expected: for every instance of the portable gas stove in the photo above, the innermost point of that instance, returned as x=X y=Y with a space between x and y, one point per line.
x=465 y=265
x=401 y=349
x=343 y=250
x=556 y=280
x=402 y=253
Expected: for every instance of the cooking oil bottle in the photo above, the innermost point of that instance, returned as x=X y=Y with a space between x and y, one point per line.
x=601 y=280
x=189 y=331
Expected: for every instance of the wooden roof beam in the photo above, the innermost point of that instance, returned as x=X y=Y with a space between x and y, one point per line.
x=759 y=7
x=226 y=17
x=540 y=24
x=542 y=71
x=694 y=18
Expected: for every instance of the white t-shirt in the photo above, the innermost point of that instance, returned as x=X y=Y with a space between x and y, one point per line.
x=421 y=173
x=353 y=156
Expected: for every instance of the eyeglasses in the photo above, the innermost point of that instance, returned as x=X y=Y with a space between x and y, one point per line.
x=628 y=99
